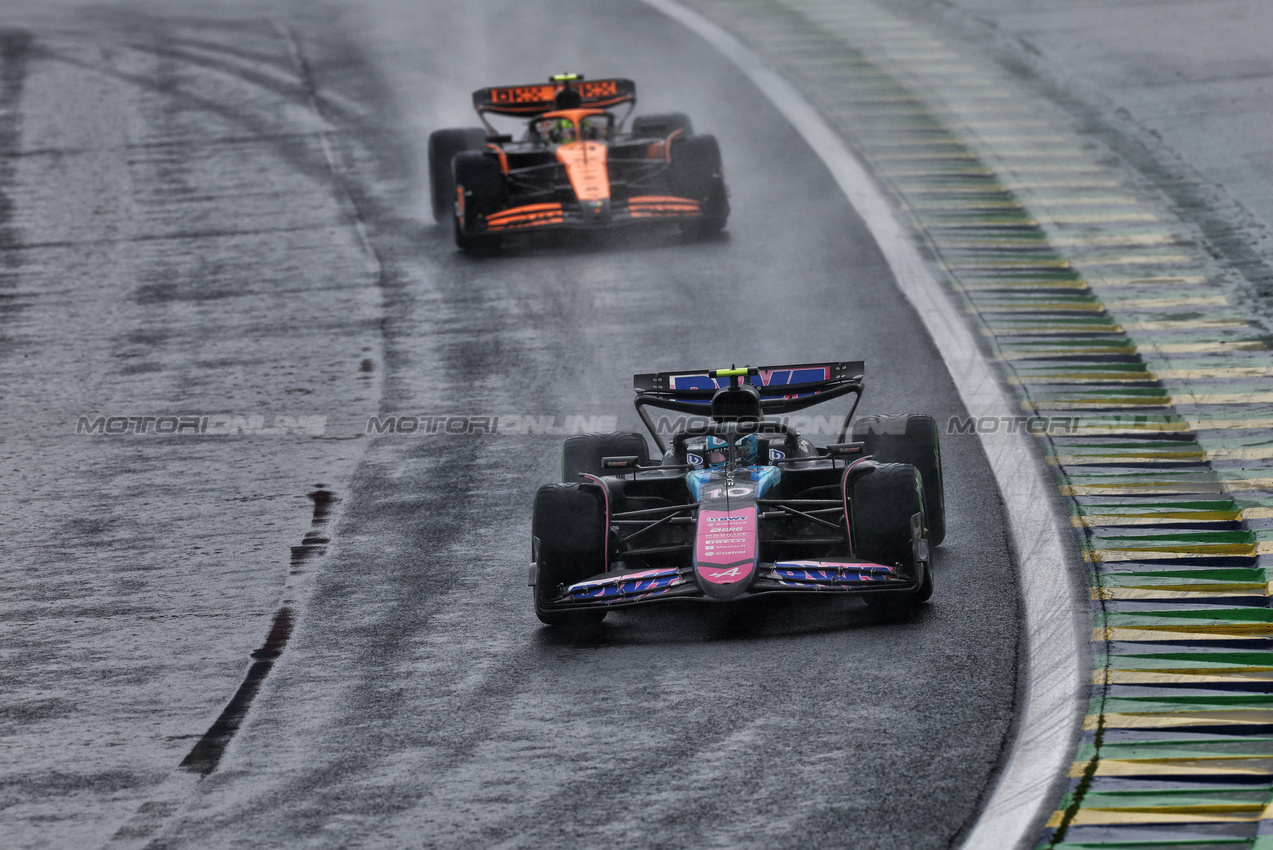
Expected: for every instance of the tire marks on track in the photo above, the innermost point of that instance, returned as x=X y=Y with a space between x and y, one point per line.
x=177 y=241
x=207 y=753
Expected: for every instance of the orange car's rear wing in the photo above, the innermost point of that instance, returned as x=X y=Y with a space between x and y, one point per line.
x=538 y=98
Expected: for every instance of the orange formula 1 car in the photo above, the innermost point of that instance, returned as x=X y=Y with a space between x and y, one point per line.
x=574 y=166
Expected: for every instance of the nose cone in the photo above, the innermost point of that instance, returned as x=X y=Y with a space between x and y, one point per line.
x=725 y=551
x=588 y=173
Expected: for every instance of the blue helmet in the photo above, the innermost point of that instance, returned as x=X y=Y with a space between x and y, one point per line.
x=746 y=451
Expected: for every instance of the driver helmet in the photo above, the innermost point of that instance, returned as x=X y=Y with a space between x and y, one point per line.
x=746 y=450
x=563 y=130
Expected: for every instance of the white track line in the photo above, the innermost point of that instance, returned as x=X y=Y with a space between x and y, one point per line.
x=1056 y=659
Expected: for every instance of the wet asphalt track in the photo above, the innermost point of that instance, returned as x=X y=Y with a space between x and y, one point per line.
x=268 y=251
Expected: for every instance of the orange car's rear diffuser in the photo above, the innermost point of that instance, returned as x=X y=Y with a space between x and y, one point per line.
x=538 y=98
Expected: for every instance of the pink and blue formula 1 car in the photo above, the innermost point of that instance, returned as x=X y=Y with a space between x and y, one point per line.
x=739 y=504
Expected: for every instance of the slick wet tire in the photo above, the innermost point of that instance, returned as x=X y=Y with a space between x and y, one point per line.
x=478 y=176
x=697 y=173
x=569 y=527
x=882 y=501
x=661 y=125
x=715 y=214
x=583 y=453
x=443 y=146
x=909 y=438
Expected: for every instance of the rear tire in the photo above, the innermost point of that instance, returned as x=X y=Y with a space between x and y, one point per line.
x=443 y=146
x=582 y=453
x=882 y=502
x=480 y=178
x=662 y=124
x=697 y=173
x=569 y=523
x=910 y=438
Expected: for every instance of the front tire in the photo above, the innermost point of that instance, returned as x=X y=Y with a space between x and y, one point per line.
x=886 y=509
x=697 y=173
x=443 y=146
x=479 y=178
x=568 y=526
x=910 y=438
x=474 y=244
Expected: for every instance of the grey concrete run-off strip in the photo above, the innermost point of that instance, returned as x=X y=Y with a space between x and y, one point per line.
x=1056 y=658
